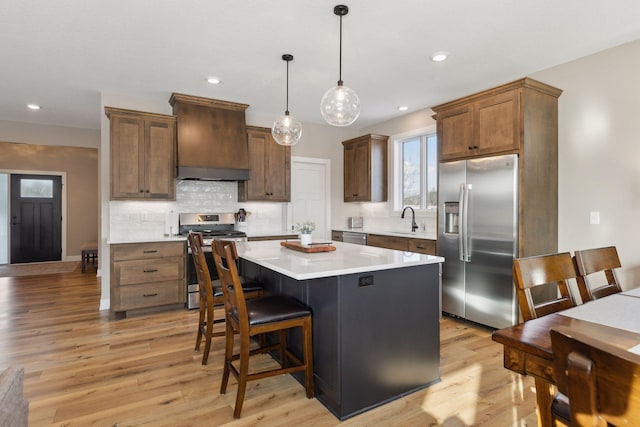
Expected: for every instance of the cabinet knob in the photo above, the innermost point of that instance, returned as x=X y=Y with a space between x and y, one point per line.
x=470 y=147
x=141 y=190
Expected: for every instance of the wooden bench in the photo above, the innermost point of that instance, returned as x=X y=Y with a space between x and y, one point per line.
x=89 y=255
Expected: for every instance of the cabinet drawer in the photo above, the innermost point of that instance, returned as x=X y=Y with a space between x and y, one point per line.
x=150 y=295
x=141 y=251
x=423 y=246
x=389 y=242
x=336 y=236
x=145 y=271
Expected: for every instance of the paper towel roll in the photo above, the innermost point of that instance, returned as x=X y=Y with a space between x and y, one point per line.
x=171 y=224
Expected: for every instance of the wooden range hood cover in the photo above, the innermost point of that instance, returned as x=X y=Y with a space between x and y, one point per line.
x=212 y=138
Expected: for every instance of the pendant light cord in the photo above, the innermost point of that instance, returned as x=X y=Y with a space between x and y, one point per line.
x=286 y=112
x=340 y=61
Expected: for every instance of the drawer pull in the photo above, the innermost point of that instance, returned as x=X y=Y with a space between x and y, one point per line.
x=150 y=251
x=151 y=270
x=150 y=295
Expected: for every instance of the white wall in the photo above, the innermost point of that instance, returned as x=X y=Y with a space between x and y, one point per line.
x=32 y=133
x=599 y=153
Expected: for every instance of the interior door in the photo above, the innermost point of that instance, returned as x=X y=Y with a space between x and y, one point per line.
x=36 y=218
x=311 y=195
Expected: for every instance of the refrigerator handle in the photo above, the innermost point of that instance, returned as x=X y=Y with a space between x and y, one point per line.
x=461 y=224
x=465 y=223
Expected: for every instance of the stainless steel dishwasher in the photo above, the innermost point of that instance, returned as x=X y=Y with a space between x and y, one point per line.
x=357 y=238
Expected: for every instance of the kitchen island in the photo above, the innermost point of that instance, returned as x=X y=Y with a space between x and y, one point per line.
x=376 y=313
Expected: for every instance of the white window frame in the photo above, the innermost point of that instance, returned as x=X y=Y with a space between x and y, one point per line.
x=396 y=167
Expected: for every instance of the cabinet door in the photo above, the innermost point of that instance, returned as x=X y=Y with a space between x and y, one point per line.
x=269 y=169
x=127 y=157
x=357 y=172
x=497 y=124
x=455 y=133
x=277 y=170
x=160 y=160
x=254 y=188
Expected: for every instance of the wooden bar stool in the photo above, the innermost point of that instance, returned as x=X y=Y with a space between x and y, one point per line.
x=211 y=295
x=254 y=317
x=89 y=254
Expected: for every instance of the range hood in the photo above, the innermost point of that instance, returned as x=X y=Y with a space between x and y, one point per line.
x=212 y=138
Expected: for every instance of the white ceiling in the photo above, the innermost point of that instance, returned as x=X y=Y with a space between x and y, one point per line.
x=62 y=54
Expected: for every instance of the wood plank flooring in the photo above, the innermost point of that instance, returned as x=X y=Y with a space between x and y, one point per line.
x=82 y=369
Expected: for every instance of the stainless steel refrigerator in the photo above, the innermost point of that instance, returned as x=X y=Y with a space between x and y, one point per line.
x=478 y=237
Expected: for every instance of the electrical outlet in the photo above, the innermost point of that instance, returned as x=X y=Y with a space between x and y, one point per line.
x=365 y=281
x=594 y=218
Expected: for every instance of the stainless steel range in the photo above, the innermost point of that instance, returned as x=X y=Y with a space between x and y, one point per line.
x=213 y=226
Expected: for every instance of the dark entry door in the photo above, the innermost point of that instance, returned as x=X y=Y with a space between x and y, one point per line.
x=36 y=218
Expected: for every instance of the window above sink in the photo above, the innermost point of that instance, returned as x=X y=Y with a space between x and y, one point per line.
x=415 y=170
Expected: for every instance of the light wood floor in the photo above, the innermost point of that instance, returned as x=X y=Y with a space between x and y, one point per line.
x=81 y=369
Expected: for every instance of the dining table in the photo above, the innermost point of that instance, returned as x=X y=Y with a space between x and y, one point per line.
x=614 y=319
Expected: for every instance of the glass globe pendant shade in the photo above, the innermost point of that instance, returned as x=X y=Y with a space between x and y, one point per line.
x=286 y=130
x=340 y=106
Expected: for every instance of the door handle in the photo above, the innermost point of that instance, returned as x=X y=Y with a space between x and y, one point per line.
x=465 y=225
x=461 y=223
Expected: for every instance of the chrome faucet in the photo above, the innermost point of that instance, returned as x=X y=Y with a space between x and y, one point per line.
x=414 y=226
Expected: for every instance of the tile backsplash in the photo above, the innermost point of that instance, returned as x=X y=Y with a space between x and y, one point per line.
x=152 y=219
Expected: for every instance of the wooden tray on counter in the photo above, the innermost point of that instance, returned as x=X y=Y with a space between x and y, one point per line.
x=312 y=248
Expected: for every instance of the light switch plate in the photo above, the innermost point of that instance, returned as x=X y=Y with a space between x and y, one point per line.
x=594 y=218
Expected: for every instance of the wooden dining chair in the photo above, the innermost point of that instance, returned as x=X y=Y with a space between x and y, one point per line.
x=554 y=270
x=589 y=263
x=601 y=381
x=211 y=295
x=249 y=318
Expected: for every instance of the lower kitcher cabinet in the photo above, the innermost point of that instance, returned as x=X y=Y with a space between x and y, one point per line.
x=421 y=246
x=146 y=275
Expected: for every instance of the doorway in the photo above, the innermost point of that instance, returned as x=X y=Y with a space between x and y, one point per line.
x=35 y=218
x=311 y=194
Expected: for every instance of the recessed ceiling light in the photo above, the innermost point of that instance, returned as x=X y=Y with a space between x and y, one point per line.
x=403 y=108
x=439 y=56
x=213 y=80
x=33 y=106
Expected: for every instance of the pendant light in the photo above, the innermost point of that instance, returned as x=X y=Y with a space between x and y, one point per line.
x=286 y=130
x=340 y=105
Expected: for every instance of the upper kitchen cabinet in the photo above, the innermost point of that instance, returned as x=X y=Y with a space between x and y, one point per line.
x=365 y=169
x=497 y=121
x=212 y=138
x=269 y=168
x=143 y=155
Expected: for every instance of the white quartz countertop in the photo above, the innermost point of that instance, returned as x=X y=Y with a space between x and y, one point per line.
x=396 y=233
x=346 y=259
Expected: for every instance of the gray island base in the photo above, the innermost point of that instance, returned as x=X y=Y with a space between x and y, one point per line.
x=376 y=334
